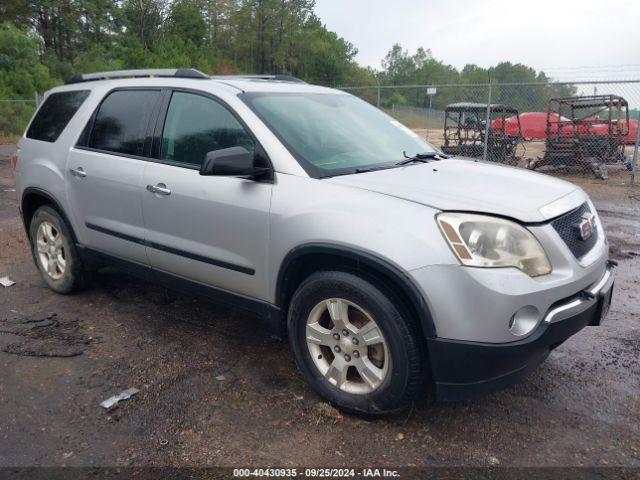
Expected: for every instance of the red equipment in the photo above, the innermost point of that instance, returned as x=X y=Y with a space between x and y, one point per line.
x=533 y=125
x=630 y=139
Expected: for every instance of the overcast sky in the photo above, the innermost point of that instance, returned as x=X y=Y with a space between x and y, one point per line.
x=554 y=35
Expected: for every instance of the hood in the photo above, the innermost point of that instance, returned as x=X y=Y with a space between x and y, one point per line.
x=465 y=185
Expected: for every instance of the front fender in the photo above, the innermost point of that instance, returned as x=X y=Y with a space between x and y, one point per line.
x=391 y=234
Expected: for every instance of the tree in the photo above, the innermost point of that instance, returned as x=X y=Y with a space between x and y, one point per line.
x=97 y=23
x=141 y=21
x=21 y=76
x=187 y=23
x=324 y=57
x=17 y=12
x=21 y=73
x=245 y=36
x=398 y=66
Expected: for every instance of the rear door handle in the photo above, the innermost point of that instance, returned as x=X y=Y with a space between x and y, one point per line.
x=78 y=172
x=160 y=188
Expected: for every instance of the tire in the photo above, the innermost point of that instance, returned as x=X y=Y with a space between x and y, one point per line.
x=629 y=163
x=396 y=380
x=52 y=244
x=599 y=168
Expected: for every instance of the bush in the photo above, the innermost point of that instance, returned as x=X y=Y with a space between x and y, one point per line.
x=21 y=76
x=14 y=117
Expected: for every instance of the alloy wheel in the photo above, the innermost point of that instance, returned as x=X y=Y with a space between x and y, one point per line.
x=50 y=250
x=347 y=346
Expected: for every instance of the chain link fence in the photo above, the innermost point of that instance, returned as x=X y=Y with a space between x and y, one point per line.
x=586 y=128
x=15 y=113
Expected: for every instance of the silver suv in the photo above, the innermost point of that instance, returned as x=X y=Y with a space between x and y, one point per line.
x=388 y=265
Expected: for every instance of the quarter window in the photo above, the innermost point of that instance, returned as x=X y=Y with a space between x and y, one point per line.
x=121 y=122
x=196 y=125
x=55 y=113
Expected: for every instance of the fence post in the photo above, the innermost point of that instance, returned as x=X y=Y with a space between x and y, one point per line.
x=487 y=126
x=37 y=99
x=377 y=91
x=634 y=159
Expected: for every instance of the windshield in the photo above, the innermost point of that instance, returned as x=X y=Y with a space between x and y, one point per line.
x=335 y=134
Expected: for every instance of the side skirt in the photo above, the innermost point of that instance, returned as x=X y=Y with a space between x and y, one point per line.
x=265 y=310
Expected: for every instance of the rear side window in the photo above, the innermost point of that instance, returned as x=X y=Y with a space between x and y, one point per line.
x=54 y=115
x=120 y=125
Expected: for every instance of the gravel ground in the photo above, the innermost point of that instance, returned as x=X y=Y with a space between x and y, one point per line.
x=217 y=389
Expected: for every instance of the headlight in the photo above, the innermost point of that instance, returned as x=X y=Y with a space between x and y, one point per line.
x=484 y=241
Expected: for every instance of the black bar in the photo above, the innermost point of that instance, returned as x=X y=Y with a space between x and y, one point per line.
x=174 y=251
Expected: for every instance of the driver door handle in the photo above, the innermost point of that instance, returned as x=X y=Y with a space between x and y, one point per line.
x=78 y=172
x=160 y=189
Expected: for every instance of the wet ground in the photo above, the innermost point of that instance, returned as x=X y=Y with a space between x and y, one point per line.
x=217 y=389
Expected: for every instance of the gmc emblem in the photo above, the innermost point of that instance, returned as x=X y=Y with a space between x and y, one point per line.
x=586 y=226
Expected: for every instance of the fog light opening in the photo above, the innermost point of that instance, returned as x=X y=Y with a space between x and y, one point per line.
x=524 y=321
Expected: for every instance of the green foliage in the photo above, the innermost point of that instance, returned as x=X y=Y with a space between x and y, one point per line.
x=217 y=36
x=14 y=117
x=187 y=23
x=395 y=99
x=21 y=73
x=468 y=84
x=21 y=76
x=45 y=42
x=67 y=37
x=140 y=23
x=399 y=67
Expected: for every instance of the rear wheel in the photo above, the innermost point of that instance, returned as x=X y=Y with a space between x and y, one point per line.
x=54 y=251
x=353 y=344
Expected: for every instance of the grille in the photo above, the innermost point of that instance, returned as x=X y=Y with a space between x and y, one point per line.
x=567 y=228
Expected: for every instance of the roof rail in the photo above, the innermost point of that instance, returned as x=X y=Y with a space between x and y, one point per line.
x=277 y=78
x=158 y=72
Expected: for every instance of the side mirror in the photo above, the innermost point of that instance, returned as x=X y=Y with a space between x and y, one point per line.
x=231 y=162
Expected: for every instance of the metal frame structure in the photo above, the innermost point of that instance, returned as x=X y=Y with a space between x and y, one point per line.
x=465 y=132
x=573 y=139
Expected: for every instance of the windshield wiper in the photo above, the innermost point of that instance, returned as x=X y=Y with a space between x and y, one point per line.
x=371 y=169
x=358 y=170
x=421 y=157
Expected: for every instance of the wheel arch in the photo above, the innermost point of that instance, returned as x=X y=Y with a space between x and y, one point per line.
x=34 y=198
x=306 y=259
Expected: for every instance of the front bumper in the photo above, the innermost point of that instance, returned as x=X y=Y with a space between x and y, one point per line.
x=476 y=304
x=463 y=369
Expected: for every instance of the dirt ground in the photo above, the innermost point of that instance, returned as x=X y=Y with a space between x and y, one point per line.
x=217 y=389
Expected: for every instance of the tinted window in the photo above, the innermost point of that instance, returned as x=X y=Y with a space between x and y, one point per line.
x=121 y=122
x=54 y=115
x=196 y=125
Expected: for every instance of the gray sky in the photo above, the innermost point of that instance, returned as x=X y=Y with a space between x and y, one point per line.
x=561 y=37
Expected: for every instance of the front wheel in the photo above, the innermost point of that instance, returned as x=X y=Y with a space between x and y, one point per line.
x=355 y=345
